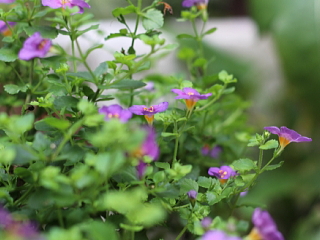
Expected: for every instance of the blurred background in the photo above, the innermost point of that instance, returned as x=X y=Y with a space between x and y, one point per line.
x=273 y=48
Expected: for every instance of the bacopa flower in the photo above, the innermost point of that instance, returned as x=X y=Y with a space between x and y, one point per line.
x=287 y=135
x=17 y=229
x=35 y=46
x=264 y=227
x=190 y=95
x=149 y=112
x=66 y=3
x=206 y=223
x=223 y=173
x=192 y=194
x=218 y=235
x=148 y=148
x=115 y=111
x=200 y=4
x=4 y=28
x=7 y=1
x=212 y=152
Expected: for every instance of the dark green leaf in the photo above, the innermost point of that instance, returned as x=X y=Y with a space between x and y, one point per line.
x=45 y=31
x=274 y=166
x=127 y=84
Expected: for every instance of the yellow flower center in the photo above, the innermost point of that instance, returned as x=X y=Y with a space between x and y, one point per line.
x=150 y=109
x=113 y=115
x=254 y=235
x=222 y=173
x=283 y=141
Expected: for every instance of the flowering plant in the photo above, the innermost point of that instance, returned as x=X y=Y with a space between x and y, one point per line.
x=82 y=167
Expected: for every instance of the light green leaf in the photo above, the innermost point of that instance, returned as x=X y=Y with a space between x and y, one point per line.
x=153 y=19
x=61 y=124
x=14 y=89
x=270 y=144
x=8 y=54
x=244 y=164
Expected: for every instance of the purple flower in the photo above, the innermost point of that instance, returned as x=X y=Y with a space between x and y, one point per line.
x=148 y=112
x=201 y=4
x=214 y=152
x=34 y=46
x=190 y=95
x=242 y=194
x=148 y=148
x=192 y=194
x=4 y=28
x=18 y=228
x=224 y=172
x=7 y=1
x=206 y=223
x=264 y=227
x=5 y=218
x=66 y=3
x=287 y=135
x=149 y=87
x=218 y=235
x=115 y=111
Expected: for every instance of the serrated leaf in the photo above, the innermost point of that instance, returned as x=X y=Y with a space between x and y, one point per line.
x=244 y=164
x=205 y=182
x=273 y=166
x=153 y=19
x=124 y=11
x=212 y=198
x=14 y=89
x=8 y=55
x=270 y=144
x=188 y=184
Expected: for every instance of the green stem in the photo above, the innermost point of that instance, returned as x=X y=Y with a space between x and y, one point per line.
x=182 y=232
x=67 y=137
x=23 y=197
x=176 y=143
x=60 y=217
x=260 y=159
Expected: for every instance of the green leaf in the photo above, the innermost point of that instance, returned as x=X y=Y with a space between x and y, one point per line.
x=131 y=228
x=92 y=27
x=167 y=134
x=212 y=198
x=61 y=124
x=270 y=144
x=206 y=182
x=8 y=54
x=181 y=36
x=244 y=164
x=171 y=47
x=127 y=84
x=274 y=166
x=152 y=19
x=163 y=165
x=211 y=30
x=188 y=184
x=14 y=89
x=124 y=11
x=45 y=31
x=101 y=69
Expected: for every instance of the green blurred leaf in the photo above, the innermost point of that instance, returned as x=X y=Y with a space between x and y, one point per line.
x=124 y=11
x=61 y=124
x=244 y=164
x=14 y=89
x=45 y=31
x=274 y=166
x=8 y=54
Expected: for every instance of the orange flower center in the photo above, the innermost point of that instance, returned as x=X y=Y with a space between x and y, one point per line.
x=190 y=103
x=113 y=115
x=149 y=119
x=42 y=44
x=283 y=141
x=254 y=235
